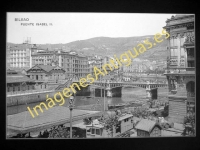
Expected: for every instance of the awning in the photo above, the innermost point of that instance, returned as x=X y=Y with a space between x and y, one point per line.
x=24 y=123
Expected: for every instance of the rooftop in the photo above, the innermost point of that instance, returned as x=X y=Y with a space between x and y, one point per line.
x=146 y=125
x=19 y=46
x=23 y=122
x=18 y=78
x=96 y=123
x=9 y=71
x=124 y=117
x=46 y=68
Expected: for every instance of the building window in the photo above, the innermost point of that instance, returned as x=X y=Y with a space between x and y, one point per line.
x=141 y=133
x=190 y=27
x=88 y=130
x=190 y=87
x=190 y=63
x=190 y=52
x=97 y=131
x=93 y=131
x=182 y=40
x=182 y=52
x=174 y=52
x=156 y=132
x=175 y=42
x=171 y=41
x=138 y=132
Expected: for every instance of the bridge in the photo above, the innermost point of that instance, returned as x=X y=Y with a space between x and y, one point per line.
x=113 y=84
x=113 y=88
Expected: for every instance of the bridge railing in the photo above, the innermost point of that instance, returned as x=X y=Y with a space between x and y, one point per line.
x=128 y=83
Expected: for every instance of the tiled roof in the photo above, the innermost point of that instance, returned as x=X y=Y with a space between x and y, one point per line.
x=18 y=78
x=146 y=125
x=11 y=71
x=125 y=116
x=136 y=118
x=47 y=68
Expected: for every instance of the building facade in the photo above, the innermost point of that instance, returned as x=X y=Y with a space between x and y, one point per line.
x=17 y=82
x=148 y=128
x=18 y=55
x=98 y=129
x=74 y=64
x=95 y=61
x=46 y=73
x=180 y=70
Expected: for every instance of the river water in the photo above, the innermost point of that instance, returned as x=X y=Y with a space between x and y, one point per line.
x=128 y=94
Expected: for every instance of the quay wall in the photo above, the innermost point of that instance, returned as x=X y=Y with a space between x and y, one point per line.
x=15 y=100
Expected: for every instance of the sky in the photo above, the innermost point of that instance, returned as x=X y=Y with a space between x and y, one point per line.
x=68 y=27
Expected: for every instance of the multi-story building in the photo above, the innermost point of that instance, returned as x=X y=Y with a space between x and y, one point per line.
x=74 y=64
x=180 y=71
x=134 y=69
x=19 y=55
x=17 y=82
x=95 y=61
x=42 y=56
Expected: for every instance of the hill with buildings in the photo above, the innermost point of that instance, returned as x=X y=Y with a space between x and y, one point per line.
x=109 y=46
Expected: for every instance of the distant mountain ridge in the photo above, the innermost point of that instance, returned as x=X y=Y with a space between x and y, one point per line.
x=109 y=46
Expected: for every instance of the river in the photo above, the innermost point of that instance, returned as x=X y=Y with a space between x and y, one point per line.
x=128 y=94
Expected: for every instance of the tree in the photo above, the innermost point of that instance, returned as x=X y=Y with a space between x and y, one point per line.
x=141 y=113
x=189 y=124
x=110 y=124
x=87 y=121
x=165 y=113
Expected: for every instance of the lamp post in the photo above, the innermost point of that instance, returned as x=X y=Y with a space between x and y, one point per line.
x=103 y=88
x=71 y=106
x=104 y=108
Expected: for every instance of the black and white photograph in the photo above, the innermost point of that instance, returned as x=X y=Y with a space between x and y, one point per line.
x=78 y=75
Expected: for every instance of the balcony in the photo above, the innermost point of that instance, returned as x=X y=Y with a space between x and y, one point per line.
x=174 y=91
x=173 y=60
x=190 y=57
x=188 y=70
x=190 y=94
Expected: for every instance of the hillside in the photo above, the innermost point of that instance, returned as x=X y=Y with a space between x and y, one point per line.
x=110 y=46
